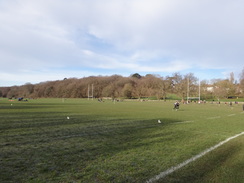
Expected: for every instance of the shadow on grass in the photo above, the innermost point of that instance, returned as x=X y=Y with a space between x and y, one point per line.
x=65 y=151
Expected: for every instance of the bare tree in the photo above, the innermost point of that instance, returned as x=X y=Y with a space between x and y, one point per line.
x=232 y=86
x=167 y=86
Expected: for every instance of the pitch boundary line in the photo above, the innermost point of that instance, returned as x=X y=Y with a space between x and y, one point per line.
x=184 y=122
x=174 y=168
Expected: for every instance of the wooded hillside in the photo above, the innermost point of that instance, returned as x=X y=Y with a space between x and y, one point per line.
x=134 y=86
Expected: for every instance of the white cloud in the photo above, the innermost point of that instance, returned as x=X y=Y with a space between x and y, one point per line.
x=106 y=36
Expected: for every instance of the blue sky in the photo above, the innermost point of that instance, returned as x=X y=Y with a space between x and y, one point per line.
x=43 y=40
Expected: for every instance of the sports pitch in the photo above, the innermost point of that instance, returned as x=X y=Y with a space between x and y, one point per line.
x=80 y=140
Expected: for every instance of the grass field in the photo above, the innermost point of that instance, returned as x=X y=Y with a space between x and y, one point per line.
x=118 y=142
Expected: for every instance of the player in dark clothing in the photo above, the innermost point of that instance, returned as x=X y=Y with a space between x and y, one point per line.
x=176 y=105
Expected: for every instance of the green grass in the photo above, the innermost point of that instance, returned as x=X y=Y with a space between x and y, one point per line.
x=224 y=165
x=117 y=142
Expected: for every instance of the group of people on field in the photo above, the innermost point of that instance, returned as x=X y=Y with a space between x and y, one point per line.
x=177 y=105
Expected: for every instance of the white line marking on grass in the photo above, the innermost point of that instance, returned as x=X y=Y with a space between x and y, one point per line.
x=174 y=168
x=231 y=114
x=214 y=117
x=184 y=122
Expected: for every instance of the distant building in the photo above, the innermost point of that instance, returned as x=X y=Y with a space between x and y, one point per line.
x=210 y=88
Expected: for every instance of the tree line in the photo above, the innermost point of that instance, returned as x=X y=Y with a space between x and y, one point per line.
x=134 y=86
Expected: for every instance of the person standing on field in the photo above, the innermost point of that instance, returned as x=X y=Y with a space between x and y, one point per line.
x=176 y=105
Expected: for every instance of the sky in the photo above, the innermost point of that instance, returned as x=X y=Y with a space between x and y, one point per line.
x=43 y=40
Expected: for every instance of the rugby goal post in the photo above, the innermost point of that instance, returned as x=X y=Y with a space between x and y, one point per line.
x=88 y=92
x=199 y=92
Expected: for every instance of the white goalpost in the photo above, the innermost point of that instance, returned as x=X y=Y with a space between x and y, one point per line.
x=188 y=91
x=88 y=92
